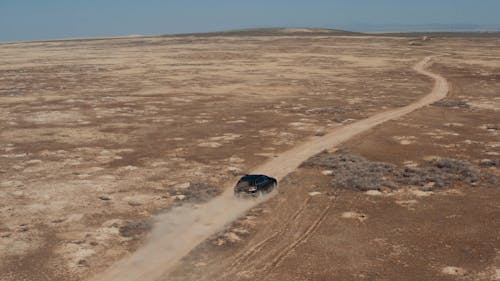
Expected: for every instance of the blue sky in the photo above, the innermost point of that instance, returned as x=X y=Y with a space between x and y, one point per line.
x=22 y=20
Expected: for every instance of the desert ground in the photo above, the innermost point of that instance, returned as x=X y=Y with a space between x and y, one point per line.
x=108 y=146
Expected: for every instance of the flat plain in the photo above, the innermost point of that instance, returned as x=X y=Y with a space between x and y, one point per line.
x=99 y=136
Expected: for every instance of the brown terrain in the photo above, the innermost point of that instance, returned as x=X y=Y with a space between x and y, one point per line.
x=115 y=155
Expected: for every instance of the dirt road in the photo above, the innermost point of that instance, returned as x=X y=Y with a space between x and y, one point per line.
x=180 y=230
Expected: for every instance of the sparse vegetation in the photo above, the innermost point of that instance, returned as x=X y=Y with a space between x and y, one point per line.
x=199 y=192
x=439 y=173
x=355 y=172
x=134 y=228
x=333 y=110
x=452 y=103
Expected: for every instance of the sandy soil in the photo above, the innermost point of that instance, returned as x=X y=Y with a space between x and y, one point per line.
x=98 y=136
x=315 y=231
x=163 y=250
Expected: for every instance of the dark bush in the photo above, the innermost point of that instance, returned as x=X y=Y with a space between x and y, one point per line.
x=134 y=228
x=333 y=110
x=356 y=172
x=199 y=192
x=353 y=171
x=451 y=103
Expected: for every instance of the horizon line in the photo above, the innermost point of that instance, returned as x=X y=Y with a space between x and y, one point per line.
x=382 y=31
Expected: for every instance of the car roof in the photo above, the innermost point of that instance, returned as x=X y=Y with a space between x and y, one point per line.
x=250 y=177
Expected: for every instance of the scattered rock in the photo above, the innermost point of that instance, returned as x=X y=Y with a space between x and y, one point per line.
x=354 y=215
x=236 y=171
x=33 y=162
x=489 y=163
x=411 y=164
x=374 y=193
x=314 y=193
x=232 y=237
x=453 y=270
x=405 y=140
x=184 y=185
x=420 y=193
x=407 y=203
x=104 y=198
x=137 y=200
x=235 y=159
x=179 y=197
x=219 y=242
x=130 y=168
x=236 y=121
x=327 y=172
x=210 y=144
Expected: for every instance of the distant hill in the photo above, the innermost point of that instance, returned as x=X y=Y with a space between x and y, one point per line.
x=334 y=32
x=273 y=32
x=440 y=34
x=290 y=32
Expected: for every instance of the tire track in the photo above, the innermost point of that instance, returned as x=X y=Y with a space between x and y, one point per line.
x=283 y=254
x=245 y=256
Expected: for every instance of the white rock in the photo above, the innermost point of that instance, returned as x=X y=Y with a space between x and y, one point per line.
x=314 y=193
x=183 y=185
x=354 y=215
x=327 y=172
x=453 y=270
x=420 y=193
x=180 y=197
x=210 y=144
x=130 y=168
x=374 y=193
x=34 y=161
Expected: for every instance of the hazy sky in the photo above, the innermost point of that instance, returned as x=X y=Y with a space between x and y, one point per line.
x=52 y=19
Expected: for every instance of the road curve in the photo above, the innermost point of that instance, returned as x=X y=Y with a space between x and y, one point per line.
x=177 y=232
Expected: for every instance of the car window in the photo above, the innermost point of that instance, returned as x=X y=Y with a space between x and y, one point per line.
x=260 y=180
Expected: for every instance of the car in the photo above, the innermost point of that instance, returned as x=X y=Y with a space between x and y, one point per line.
x=255 y=185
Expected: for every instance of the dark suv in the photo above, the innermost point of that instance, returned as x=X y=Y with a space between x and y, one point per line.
x=255 y=185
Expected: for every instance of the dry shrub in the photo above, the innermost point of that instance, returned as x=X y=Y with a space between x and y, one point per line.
x=333 y=110
x=135 y=228
x=199 y=192
x=441 y=173
x=451 y=103
x=355 y=172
